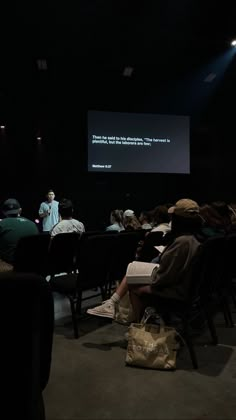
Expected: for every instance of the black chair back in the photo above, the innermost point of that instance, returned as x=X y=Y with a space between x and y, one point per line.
x=31 y=254
x=230 y=256
x=62 y=253
x=213 y=264
x=124 y=253
x=27 y=316
x=94 y=260
x=148 y=251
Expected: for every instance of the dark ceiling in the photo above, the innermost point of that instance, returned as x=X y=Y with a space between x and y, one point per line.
x=171 y=45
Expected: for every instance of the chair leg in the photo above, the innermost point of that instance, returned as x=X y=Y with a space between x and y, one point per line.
x=79 y=303
x=227 y=312
x=211 y=327
x=190 y=346
x=233 y=296
x=191 y=351
x=74 y=318
x=103 y=292
x=225 y=316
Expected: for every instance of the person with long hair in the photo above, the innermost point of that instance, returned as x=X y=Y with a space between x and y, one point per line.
x=116 y=220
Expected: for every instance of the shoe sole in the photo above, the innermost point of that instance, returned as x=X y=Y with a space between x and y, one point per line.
x=100 y=314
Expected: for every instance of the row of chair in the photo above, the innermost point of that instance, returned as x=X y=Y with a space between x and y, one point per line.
x=90 y=261
x=98 y=260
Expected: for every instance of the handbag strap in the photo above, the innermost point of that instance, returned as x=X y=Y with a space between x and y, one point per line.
x=145 y=319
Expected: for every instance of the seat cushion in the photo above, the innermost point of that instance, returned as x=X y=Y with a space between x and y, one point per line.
x=65 y=284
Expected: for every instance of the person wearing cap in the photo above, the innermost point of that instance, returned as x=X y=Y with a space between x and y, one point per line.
x=174 y=272
x=12 y=228
x=130 y=221
x=128 y=213
x=48 y=211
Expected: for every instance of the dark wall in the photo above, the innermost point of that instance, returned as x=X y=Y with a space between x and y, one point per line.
x=29 y=168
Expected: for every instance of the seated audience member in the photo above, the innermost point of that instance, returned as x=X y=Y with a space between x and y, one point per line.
x=232 y=208
x=67 y=223
x=161 y=219
x=171 y=279
x=130 y=221
x=212 y=222
x=145 y=220
x=161 y=222
x=116 y=220
x=12 y=228
x=225 y=213
x=128 y=213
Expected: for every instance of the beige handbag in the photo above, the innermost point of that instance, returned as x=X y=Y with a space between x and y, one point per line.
x=152 y=346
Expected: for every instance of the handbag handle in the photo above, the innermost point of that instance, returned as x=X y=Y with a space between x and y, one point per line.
x=145 y=319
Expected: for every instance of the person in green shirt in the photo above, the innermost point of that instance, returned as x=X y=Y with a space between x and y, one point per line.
x=12 y=228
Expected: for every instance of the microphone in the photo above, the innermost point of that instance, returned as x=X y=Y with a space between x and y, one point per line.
x=49 y=210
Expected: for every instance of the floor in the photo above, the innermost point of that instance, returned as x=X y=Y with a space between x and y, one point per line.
x=89 y=379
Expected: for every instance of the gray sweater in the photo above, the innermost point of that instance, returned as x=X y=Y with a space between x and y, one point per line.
x=173 y=277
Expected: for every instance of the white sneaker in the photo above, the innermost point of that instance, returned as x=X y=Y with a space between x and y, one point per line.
x=106 y=309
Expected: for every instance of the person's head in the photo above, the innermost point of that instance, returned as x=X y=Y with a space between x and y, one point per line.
x=131 y=223
x=116 y=216
x=65 y=208
x=210 y=216
x=224 y=213
x=128 y=213
x=222 y=209
x=50 y=196
x=145 y=217
x=160 y=215
x=185 y=217
x=11 y=208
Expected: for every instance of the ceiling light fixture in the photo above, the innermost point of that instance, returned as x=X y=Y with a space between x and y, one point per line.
x=128 y=71
x=210 y=78
x=42 y=64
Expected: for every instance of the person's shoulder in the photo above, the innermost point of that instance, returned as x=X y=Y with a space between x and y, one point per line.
x=78 y=223
x=57 y=228
x=3 y=222
x=43 y=205
x=186 y=239
x=110 y=227
x=23 y=219
x=58 y=225
x=27 y=221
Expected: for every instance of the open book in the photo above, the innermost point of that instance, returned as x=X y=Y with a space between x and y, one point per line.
x=139 y=272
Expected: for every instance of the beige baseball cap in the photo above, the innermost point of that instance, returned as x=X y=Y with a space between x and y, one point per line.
x=183 y=206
